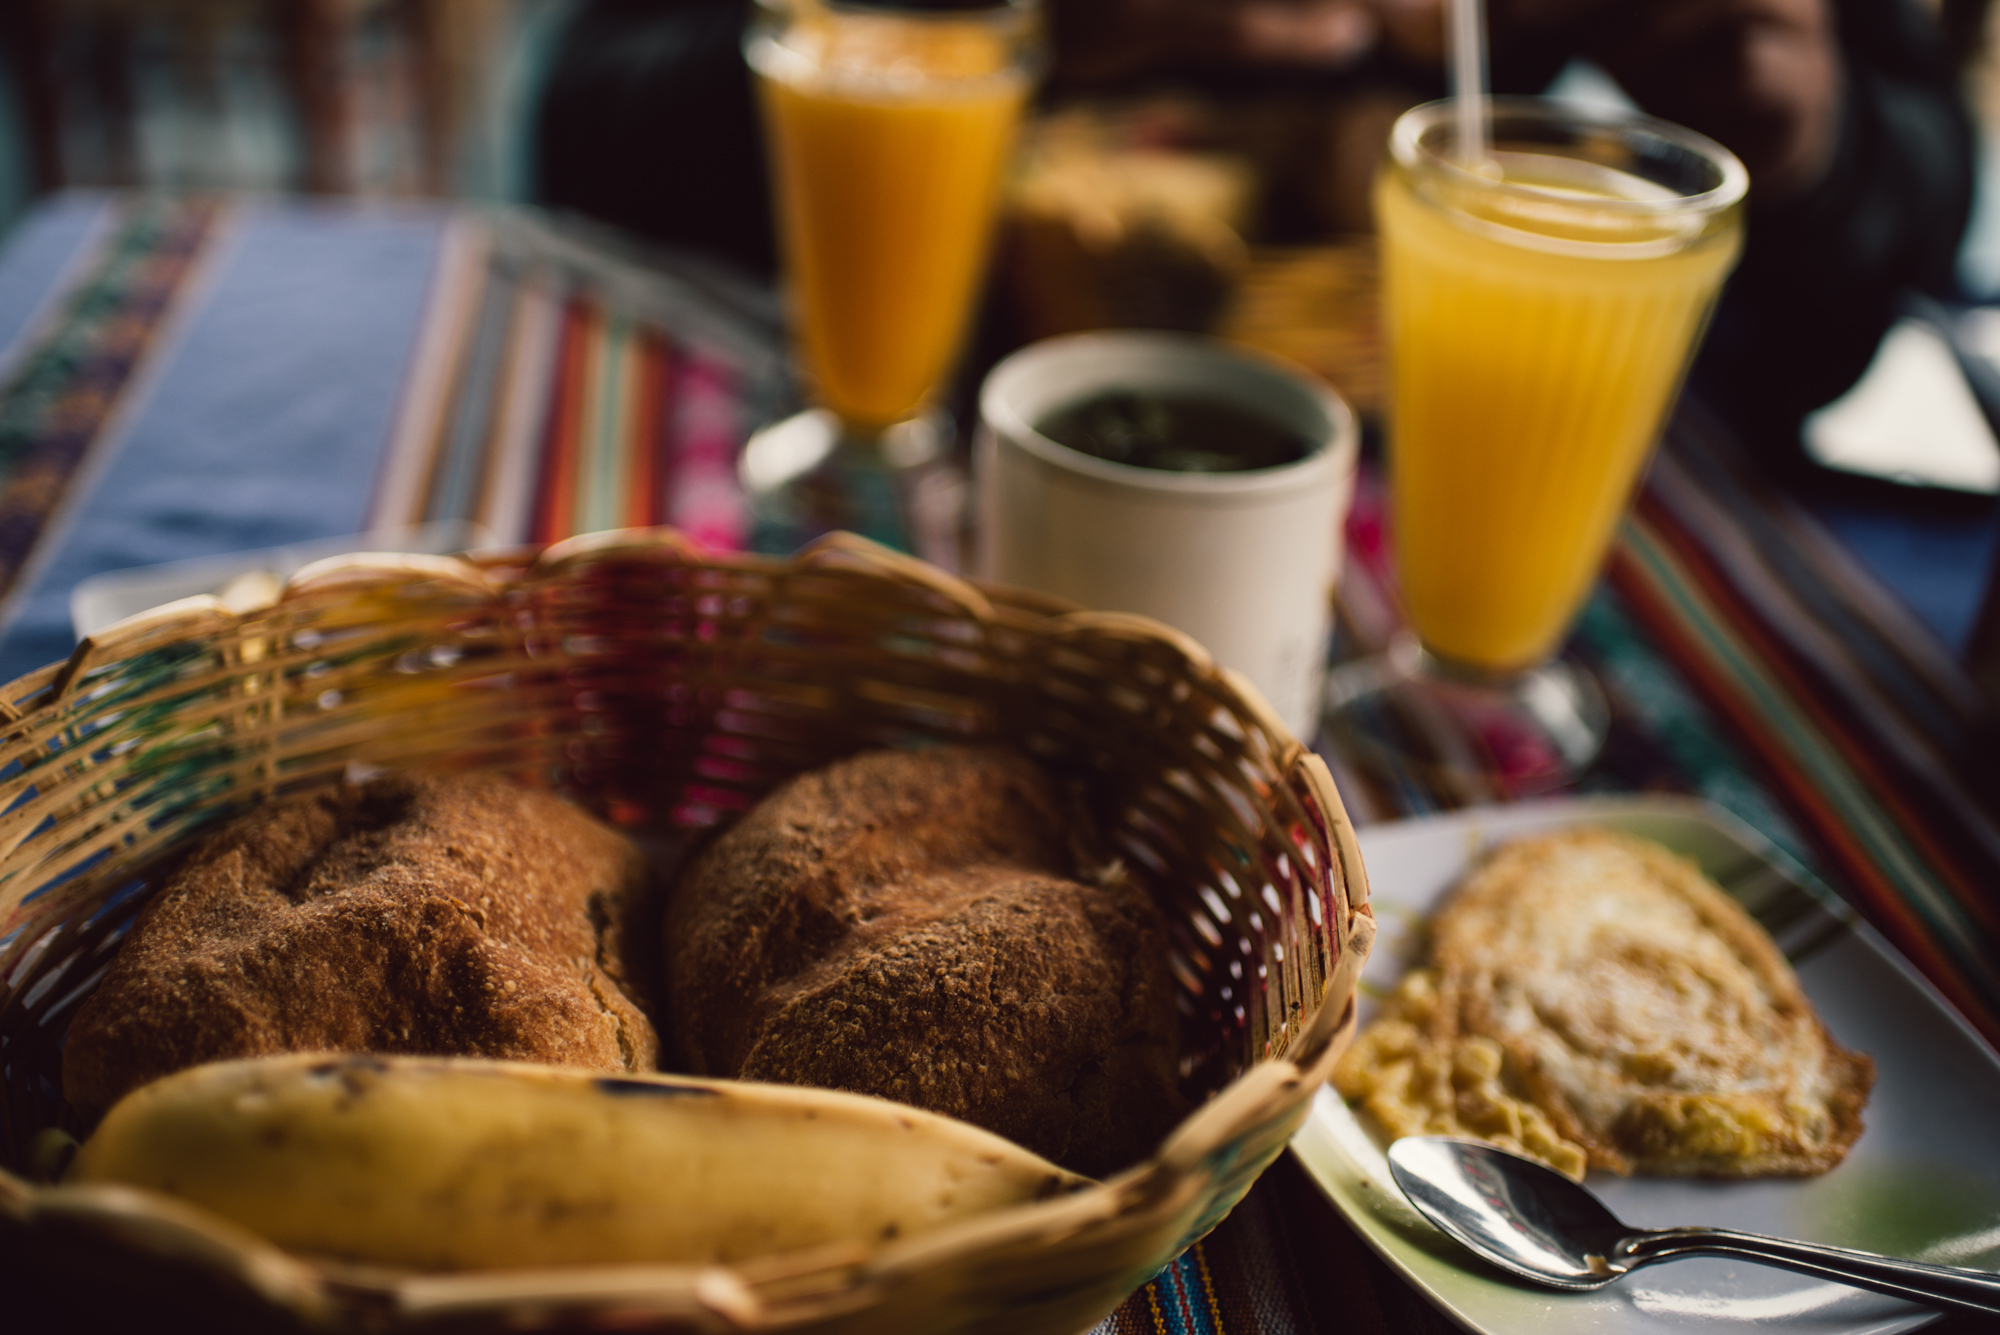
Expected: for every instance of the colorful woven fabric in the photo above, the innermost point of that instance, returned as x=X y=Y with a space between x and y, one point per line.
x=554 y=394
x=59 y=398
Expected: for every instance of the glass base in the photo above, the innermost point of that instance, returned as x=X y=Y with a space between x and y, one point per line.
x=1475 y=735
x=809 y=475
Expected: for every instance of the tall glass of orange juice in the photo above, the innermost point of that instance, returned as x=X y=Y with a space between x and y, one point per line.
x=1541 y=305
x=889 y=129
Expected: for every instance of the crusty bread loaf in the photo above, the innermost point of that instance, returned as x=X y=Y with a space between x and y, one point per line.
x=910 y=925
x=1594 y=985
x=438 y=915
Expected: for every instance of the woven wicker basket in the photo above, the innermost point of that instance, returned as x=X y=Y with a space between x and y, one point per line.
x=658 y=685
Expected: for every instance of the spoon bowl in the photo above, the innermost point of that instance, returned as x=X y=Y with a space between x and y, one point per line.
x=1531 y=1220
x=1515 y=1212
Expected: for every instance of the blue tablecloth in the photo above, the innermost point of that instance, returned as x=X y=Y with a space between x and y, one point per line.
x=260 y=413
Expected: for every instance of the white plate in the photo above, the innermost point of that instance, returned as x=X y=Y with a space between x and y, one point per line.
x=1923 y=1181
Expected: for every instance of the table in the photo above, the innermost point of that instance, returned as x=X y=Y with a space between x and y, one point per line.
x=187 y=376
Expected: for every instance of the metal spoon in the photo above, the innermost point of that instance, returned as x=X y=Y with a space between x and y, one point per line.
x=1533 y=1221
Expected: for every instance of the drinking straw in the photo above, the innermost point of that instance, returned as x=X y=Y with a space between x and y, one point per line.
x=1468 y=81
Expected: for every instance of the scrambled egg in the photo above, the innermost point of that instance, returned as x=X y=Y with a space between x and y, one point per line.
x=1417 y=1088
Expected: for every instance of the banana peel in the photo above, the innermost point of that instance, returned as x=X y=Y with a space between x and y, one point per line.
x=469 y=1164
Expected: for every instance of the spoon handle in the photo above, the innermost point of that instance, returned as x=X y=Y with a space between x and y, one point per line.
x=1933 y=1285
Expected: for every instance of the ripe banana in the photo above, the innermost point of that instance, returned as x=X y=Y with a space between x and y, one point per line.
x=456 y=1163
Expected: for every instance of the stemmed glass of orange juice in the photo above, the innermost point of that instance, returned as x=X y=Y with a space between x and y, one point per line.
x=1541 y=304
x=889 y=127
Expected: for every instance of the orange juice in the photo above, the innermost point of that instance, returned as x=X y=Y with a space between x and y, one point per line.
x=1538 y=331
x=888 y=135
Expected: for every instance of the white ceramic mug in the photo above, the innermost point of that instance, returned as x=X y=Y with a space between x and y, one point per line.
x=1244 y=562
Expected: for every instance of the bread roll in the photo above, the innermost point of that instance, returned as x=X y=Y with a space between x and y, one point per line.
x=911 y=925
x=425 y=915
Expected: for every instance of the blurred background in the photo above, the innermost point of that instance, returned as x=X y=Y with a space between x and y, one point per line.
x=1165 y=206
x=365 y=97
x=1239 y=210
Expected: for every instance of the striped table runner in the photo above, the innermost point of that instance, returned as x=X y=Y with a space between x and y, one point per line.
x=558 y=388
x=63 y=392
